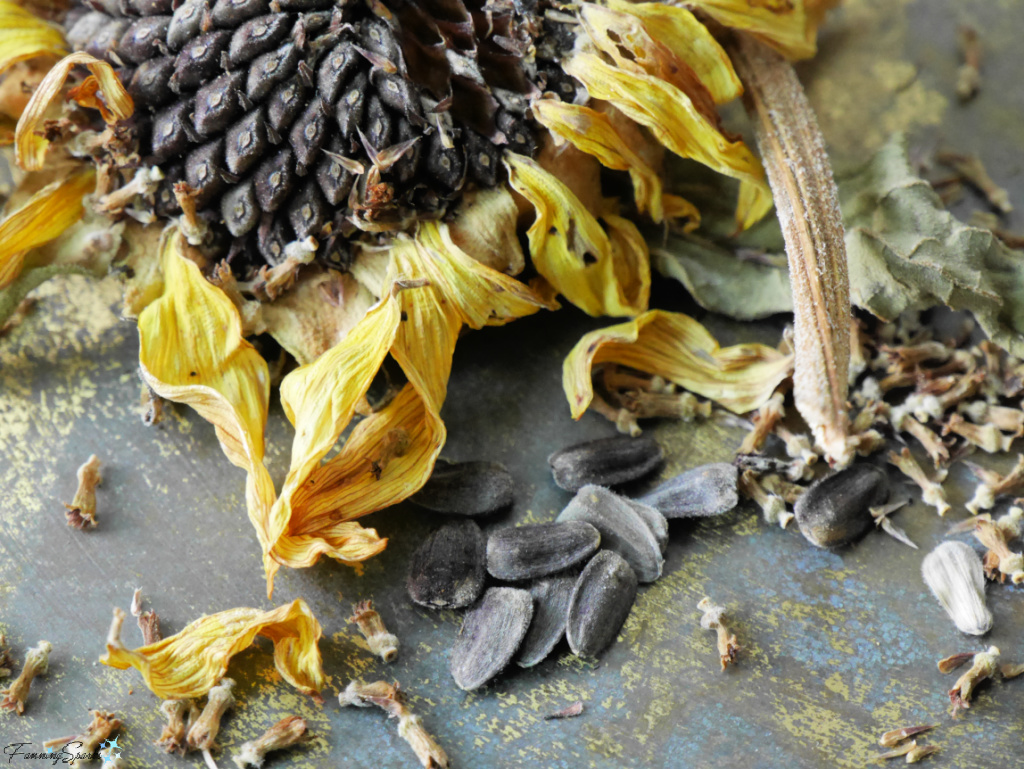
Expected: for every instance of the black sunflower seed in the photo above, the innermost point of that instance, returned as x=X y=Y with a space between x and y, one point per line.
x=379 y=124
x=307 y=212
x=491 y=634
x=149 y=7
x=269 y=69
x=285 y=104
x=336 y=70
x=102 y=46
x=551 y=599
x=86 y=28
x=150 y=85
x=169 y=137
x=308 y=134
x=447 y=570
x=446 y=165
x=199 y=61
x=246 y=142
x=144 y=39
x=622 y=529
x=256 y=36
x=466 y=488
x=203 y=168
x=271 y=238
x=186 y=23
x=217 y=104
x=275 y=180
x=348 y=112
x=697 y=493
x=231 y=13
x=834 y=511
x=601 y=601
x=240 y=210
x=604 y=462
x=538 y=549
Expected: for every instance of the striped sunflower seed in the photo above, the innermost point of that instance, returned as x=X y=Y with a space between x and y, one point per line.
x=447 y=570
x=551 y=598
x=834 y=511
x=604 y=462
x=622 y=529
x=697 y=493
x=466 y=488
x=491 y=634
x=539 y=549
x=601 y=601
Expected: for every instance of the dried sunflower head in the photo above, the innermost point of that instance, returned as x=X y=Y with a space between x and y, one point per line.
x=349 y=177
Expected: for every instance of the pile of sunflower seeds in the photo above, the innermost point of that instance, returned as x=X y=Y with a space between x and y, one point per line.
x=574 y=577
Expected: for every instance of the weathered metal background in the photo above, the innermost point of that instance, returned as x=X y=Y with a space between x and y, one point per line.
x=838 y=647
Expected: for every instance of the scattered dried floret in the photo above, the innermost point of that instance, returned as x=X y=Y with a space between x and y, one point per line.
x=149 y=622
x=984 y=665
x=285 y=733
x=931 y=491
x=37 y=662
x=202 y=735
x=571 y=711
x=81 y=512
x=714 y=619
x=378 y=639
x=994 y=485
x=765 y=419
x=773 y=506
x=181 y=715
x=6 y=663
x=968 y=77
x=881 y=516
x=1000 y=562
x=391 y=699
x=896 y=736
x=986 y=437
x=971 y=170
x=102 y=726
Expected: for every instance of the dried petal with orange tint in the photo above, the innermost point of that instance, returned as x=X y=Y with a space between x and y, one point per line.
x=678 y=124
x=29 y=146
x=678 y=348
x=572 y=251
x=788 y=26
x=191 y=351
x=24 y=35
x=45 y=216
x=592 y=132
x=190 y=663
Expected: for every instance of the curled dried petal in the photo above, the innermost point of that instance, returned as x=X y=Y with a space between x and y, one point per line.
x=675 y=346
x=189 y=664
x=116 y=104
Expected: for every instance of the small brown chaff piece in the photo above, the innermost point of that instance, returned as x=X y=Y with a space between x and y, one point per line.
x=81 y=513
x=37 y=661
x=714 y=619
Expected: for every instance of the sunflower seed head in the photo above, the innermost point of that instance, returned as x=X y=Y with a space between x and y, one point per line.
x=491 y=634
x=601 y=600
x=622 y=529
x=702 y=491
x=466 y=488
x=604 y=462
x=447 y=570
x=835 y=510
x=551 y=598
x=953 y=572
x=539 y=549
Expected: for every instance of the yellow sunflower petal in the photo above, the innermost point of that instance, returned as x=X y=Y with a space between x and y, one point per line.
x=191 y=351
x=673 y=118
x=45 y=216
x=24 y=35
x=30 y=148
x=572 y=251
x=663 y=39
x=592 y=132
x=391 y=453
x=788 y=26
x=189 y=664
x=675 y=346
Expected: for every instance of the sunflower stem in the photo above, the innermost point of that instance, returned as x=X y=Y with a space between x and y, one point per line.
x=793 y=152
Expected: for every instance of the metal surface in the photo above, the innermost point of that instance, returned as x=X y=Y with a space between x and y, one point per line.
x=837 y=646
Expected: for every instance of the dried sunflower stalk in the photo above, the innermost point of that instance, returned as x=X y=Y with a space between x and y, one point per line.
x=284 y=169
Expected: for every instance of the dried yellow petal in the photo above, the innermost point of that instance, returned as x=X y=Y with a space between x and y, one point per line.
x=678 y=348
x=484 y=226
x=391 y=453
x=45 y=216
x=24 y=35
x=191 y=351
x=189 y=664
x=678 y=124
x=592 y=132
x=116 y=104
x=788 y=26
x=572 y=251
